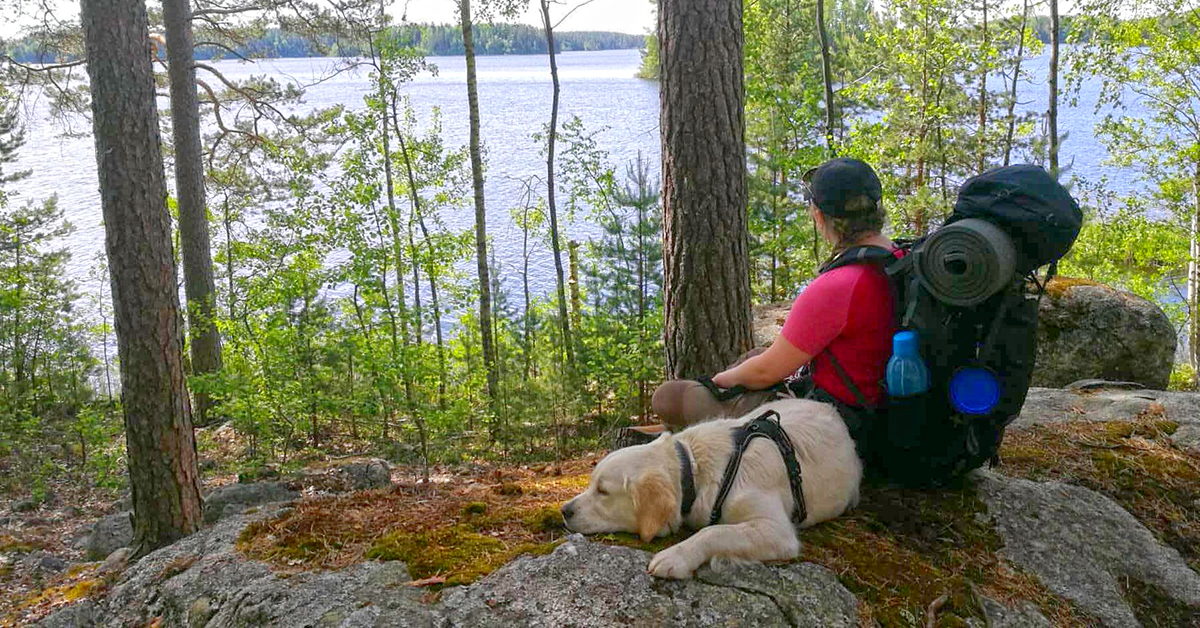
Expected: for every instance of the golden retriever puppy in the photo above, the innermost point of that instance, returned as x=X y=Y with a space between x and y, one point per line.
x=639 y=489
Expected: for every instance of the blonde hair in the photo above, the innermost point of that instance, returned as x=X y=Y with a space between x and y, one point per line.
x=864 y=216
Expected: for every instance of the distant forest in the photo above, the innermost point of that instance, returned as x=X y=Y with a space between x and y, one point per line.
x=429 y=39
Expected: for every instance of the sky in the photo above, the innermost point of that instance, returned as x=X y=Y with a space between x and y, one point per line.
x=624 y=16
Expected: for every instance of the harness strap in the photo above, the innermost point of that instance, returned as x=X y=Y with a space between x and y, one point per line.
x=762 y=426
x=721 y=394
x=687 y=481
x=858 y=394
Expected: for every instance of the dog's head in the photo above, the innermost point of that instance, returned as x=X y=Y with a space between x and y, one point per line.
x=631 y=490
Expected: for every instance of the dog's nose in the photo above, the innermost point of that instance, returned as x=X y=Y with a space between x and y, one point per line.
x=567 y=511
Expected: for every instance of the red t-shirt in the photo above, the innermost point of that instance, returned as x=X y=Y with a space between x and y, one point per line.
x=851 y=312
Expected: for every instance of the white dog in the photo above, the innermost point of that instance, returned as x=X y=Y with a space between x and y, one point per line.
x=640 y=489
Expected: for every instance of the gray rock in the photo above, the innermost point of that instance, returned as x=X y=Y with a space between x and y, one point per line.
x=109 y=534
x=1092 y=331
x=593 y=585
x=1052 y=405
x=116 y=561
x=1187 y=437
x=44 y=562
x=1023 y=614
x=1102 y=384
x=79 y=615
x=1085 y=547
x=807 y=593
x=246 y=495
x=375 y=473
x=202 y=580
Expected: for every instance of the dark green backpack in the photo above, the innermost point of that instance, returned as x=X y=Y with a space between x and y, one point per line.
x=968 y=318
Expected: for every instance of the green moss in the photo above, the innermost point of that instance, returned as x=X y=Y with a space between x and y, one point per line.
x=630 y=540
x=456 y=553
x=900 y=549
x=545 y=519
x=474 y=508
x=82 y=589
x=1059 y=286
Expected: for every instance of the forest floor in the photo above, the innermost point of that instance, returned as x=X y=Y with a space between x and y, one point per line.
x=893 y=551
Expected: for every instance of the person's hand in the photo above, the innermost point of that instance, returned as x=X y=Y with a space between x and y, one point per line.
x=726 y=379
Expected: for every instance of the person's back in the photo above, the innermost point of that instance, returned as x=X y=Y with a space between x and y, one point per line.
x=843 y=320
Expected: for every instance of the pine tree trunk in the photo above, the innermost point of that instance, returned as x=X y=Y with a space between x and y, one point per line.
x=1193 y=283
x=158 y=424
x=555 y=247
x=827 y=76
x=199 y=284
x=983 y=72
x=1052 y=113
x=1012 y=96
x=706 y=261
x=485 y=294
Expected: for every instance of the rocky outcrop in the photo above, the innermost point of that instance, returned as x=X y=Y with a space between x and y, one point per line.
x=109 y=534
x=1087 y=330
x=1086 y=548
x=598 y=585
x=204 y=581
x=1080 y=545
x=235 y=498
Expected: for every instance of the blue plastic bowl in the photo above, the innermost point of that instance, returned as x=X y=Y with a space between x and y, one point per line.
x=974 y=390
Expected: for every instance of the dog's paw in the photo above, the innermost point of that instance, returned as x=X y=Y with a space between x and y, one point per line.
x=674 y=562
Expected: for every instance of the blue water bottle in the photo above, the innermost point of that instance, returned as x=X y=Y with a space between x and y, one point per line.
x=907 y=374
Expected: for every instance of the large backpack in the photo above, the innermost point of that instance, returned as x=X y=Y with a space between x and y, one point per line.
x=1009 y=221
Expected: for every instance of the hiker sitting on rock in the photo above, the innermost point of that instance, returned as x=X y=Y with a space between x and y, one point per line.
x=842 y=321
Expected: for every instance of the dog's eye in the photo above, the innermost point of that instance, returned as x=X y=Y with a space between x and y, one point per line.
x=600 y=490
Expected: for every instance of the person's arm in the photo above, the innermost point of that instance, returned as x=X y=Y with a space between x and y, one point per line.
x=766 y=369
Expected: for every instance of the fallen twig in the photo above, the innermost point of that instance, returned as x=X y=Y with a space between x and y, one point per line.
x=932 y=611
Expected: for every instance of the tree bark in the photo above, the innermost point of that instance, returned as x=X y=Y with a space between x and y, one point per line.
x=485 y=294
x=158 y=425
x=706 y=261
x=551 y=136
x=827 y=76
x=983 y=72
x=199 y=284
x=1193 y=282
x=1052 y=114
x=1012 y=96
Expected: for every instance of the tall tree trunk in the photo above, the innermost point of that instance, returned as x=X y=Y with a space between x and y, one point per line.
x=1193 y=282
x=555 y=246
x=485 y=288
x=158 y=423
x=397 y=245
x=1052 y=114
x=706 y=260
x=1012 y=95
x=983 y=72
x=199 y=284
x=827 y=77
x=430 y=265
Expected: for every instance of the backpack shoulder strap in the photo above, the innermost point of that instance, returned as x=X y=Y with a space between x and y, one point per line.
x=859 y=255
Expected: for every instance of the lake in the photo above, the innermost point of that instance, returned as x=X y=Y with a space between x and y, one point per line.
x=514 y=97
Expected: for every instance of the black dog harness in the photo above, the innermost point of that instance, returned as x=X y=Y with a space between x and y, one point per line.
x=766 y=427
x=687 y=481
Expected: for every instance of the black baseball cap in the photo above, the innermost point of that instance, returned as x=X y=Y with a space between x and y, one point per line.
x=830 y=185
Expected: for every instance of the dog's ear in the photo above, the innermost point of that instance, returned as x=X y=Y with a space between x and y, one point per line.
x=654 y=502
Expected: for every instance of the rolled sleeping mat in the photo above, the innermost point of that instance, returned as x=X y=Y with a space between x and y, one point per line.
x=966 y=262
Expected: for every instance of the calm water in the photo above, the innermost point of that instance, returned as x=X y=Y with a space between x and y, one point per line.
x=514 y=96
